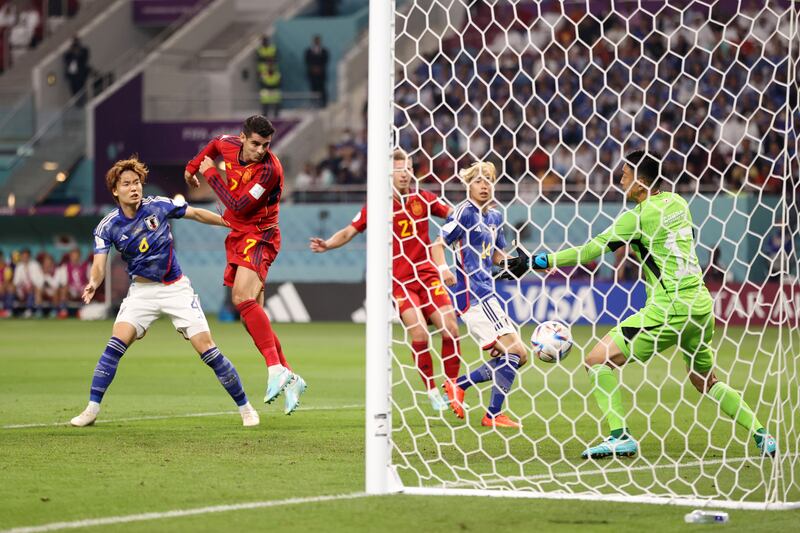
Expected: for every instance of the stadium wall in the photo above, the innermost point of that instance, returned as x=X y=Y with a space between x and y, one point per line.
x=293 y=36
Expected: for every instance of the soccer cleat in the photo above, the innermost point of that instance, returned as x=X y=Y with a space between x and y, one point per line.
x=455 y=395
x=249 y=415
x=768 y=445
x=86 y=418
x=612 y=446
x=276 y=384
x=438 y=403
x=291 y=394
x=499 y=421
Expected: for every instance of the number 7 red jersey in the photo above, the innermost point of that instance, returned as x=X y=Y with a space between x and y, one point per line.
x=251 y=192
x=411 y=242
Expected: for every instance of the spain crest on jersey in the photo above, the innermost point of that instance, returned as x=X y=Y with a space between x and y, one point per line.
x=417 y=209
x=151 y=222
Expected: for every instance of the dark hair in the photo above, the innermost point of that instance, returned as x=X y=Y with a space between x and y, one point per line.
x=646 y=166
x=115 y=172
x=258 y=124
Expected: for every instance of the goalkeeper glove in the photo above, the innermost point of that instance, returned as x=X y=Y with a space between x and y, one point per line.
x=516 y=267
x=540 y=262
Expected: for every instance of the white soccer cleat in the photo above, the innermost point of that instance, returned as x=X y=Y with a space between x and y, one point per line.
x=249 y=415
x=86 y=418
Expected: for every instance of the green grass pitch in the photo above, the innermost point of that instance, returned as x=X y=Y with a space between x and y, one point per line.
x=171 y=440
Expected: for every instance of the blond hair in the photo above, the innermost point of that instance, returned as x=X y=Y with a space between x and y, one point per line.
x=482 y=169
x=115 y=172
x=399 y=155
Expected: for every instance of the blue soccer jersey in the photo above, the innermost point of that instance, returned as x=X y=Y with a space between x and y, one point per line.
x=474 y=236
x=145 y=241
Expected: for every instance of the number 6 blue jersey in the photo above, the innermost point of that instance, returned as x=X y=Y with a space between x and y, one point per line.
x=145 y=241
x=474 y=237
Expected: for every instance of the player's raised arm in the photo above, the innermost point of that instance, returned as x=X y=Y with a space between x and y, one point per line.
x=204 y=216
x=96 y=276
x=211 y=150
x=340 y=238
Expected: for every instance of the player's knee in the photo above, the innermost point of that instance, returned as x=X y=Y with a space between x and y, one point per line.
x=418 y=334
x=239 y=298
x=450 y=330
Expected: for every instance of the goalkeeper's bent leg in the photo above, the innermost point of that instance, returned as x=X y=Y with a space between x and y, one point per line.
x=733 y=405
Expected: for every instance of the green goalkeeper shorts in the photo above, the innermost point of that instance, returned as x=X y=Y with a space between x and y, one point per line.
x=644 y=333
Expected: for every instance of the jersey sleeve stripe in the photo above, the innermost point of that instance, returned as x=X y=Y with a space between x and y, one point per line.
x=103 y=223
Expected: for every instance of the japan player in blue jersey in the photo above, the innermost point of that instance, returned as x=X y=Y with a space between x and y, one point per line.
x=139 y=230
x=475 y=232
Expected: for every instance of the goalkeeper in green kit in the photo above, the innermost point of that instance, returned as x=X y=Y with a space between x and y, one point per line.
x=678 y=310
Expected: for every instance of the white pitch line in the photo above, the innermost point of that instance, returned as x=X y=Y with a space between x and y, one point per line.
x=188 y=415
x=618 y=470
x=111 y=520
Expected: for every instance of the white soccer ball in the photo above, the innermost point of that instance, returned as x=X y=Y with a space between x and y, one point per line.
x=551 y=341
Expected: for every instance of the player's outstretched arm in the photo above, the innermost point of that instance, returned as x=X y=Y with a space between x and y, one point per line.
x=622 y=231
x=337 y=240
x=437 y=256
x=204 y=216
x=96 y=277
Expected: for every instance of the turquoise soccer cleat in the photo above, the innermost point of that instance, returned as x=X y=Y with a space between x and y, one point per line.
x=276 y=384
x=612 y=446
x=768 y=445
x=291 y=394
x=438 y=403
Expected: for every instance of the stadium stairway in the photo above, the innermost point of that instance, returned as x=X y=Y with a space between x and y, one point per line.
x=41 y=160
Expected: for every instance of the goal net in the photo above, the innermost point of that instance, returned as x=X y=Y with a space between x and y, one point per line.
x=554 y=94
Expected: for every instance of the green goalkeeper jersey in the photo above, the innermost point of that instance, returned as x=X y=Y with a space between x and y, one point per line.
x=659 y=231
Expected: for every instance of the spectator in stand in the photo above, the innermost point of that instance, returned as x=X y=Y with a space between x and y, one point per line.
x=270 y=93
x=316 y=58
x=308 y=178
x=53 y=283
x=328 y=8
x=76 y=67
x=267 y=52
x=8 y=15
x=23 y=33
x=76 y=276
x=6 y=287
x=28 y=281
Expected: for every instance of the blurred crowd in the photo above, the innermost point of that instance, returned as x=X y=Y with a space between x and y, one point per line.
x=25 y=23
x=345 y=164
x=555 y=99
x=38 y=286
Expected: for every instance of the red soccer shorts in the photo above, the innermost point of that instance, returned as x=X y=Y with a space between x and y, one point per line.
x=252 y=250
x=426 y=294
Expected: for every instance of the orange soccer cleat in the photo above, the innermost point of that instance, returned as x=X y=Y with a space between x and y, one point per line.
x=500 y=421
x=455 y=395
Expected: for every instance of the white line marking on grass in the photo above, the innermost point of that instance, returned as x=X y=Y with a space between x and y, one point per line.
x=111 y=520
x=188 y=415
x=597 y=472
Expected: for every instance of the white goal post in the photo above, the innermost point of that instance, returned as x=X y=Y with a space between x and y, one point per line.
x=554 y=94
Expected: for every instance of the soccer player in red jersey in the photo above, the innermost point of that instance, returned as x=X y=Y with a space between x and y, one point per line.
x=251 y=192
x=416 y=284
